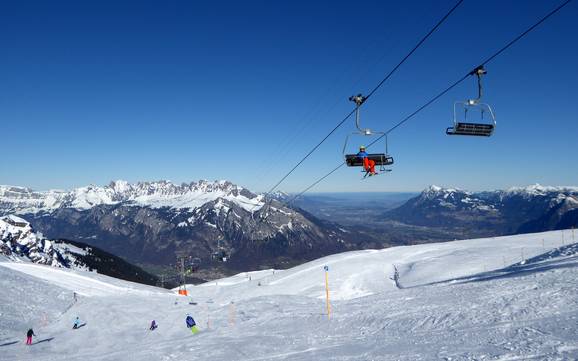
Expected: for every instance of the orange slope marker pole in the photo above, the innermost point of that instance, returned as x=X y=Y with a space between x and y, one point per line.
x=327 y=291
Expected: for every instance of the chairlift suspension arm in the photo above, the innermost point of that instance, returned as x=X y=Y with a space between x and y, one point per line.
x=479 y=71
x=479 y=86
x=359 y=99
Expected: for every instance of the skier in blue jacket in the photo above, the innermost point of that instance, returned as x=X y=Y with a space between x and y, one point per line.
x=76 y=323
x=368 y=164
x=192 y=324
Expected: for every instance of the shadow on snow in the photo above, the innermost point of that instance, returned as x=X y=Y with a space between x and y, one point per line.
x=8 y=343
x=545 y=262
x=45 y=340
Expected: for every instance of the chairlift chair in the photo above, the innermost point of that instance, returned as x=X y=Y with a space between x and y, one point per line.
x=463 y=126
x=221 y=253
x=195 y=264
x=352 y=160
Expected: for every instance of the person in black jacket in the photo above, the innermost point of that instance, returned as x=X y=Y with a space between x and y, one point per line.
x=29 y=335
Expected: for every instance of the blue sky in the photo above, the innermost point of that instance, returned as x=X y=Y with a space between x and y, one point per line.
x=96 y=91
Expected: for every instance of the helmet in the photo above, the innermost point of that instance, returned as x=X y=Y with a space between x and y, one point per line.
x=362 y=147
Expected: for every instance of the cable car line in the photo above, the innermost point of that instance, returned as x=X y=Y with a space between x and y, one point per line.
x=438 y=24
x=474 y=71
x=453 y=85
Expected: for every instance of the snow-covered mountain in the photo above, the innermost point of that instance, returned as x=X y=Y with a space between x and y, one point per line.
x=503 y=298
x=521 y=209
x=20 y=200
x=19 y=242
x=152 y=222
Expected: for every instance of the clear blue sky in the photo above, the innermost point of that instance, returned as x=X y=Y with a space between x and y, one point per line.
x=185 y=90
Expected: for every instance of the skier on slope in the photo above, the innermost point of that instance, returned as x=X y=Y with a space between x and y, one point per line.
x=192 y=324
x=76 y=323
x=29 y=335
x=153 y=325
x=368 y=164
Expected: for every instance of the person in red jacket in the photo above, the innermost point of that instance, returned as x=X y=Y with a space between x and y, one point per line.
x=368 y=164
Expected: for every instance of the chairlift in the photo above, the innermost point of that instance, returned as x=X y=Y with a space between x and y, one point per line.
x=462 y=126
x=195 y=264
x=381 y=159
x=221 y=253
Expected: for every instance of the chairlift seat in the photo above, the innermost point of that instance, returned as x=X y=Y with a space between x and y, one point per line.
x=475 y=129
x=353 y=160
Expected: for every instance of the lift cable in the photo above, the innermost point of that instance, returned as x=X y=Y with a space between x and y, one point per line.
x=453 y=85
x=370 y=94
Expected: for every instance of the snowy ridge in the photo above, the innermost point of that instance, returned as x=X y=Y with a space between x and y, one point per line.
x=454 y=198
x=531 y=190
x=20 y=200
x=21 y=244
x=485 y=201
x=537 y=189
x=18 y=242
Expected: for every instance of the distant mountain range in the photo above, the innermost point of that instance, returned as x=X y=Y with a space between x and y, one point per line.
x=517 y=210
x=153 y=222
x=21 y=243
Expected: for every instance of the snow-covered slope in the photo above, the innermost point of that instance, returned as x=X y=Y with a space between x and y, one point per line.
x=159 y=194
x=508 y=298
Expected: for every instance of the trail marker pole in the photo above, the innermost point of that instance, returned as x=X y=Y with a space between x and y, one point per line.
x=326 y=269
x=232 y=314
x=543 y=247
x=395 y=277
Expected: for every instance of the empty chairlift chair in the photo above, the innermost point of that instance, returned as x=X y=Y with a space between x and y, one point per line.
x=462 y=126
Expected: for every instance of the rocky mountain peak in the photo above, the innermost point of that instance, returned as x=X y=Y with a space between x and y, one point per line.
x=155 y=194
x=19 y=240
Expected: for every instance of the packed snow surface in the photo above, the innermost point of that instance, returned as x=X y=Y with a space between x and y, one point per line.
x=505 y=298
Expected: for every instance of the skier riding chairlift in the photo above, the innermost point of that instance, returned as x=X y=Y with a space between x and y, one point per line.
x=368 y=164
x=368 y=161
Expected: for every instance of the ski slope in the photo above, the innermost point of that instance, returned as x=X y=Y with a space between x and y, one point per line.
x=503 y=298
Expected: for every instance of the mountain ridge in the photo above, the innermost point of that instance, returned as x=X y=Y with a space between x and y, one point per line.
x=19 y=242
x=156 y=194
x=516 y=210
x=153 y=223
